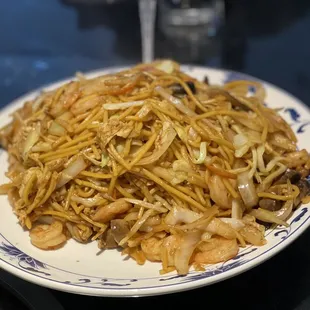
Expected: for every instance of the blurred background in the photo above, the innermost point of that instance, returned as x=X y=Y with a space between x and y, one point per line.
x=42 y=41
x=46 y=40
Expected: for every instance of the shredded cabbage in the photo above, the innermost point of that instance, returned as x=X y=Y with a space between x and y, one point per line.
x=202 y=154
x=123 y=105
x=74 y=168
x=247 y=190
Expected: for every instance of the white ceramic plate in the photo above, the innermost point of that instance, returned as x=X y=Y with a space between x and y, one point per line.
x=80 y=269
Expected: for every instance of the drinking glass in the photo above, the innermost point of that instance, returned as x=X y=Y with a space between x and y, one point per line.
x=191 y=26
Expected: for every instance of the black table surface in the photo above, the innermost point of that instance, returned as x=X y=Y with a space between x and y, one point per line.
x=43 y=41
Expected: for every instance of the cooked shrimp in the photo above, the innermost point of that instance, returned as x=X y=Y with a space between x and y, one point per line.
x=297 y=158
x=218 y=227
x=216 y=250
x=110 y=211
x=253 y=235
x=219 y=193
x=152 y=248
x=68 y=95
x=215 y=227
x=150 y=222
x=181 y=215
x=90 y=104
x=48 y=237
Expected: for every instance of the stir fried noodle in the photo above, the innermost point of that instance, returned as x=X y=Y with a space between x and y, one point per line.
x=151 y=160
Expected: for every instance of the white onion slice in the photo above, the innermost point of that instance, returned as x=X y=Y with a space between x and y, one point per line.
x=236 y=209
x=42 y=147
x=31 y=140
x=234 y=223
x=267 y=216
x=185 y=251
x=71 y=171
x=241 y=144
x=247 y=190
x=202 y=154
x=123 y=105
x=56 y=130
x=181 y=215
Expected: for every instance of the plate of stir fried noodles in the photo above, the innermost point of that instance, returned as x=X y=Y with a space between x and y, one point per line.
x=152 y=179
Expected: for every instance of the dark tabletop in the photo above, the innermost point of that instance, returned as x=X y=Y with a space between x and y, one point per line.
x=43 y=41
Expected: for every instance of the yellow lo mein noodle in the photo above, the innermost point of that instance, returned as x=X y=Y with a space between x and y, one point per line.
x=151 y=160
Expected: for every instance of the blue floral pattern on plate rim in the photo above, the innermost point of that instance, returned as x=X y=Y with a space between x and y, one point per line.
x=12 y=256
x=33 y=266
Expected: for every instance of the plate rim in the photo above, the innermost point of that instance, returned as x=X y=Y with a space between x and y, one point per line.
x=162 y=290
x=169 y=288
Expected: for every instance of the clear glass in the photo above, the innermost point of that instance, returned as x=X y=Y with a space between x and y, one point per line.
x=147 y=14
x=191 y=23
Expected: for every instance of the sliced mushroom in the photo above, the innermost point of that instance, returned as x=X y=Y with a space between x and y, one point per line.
x=177 y=89
x=304 y=188
x=292 y=175
x=110 y=241
x=119 y=229
x=295 y=178
x=107 y=241
x=270 y=204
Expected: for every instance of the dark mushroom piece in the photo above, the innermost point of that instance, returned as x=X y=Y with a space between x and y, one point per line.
x=282 y=209
x=295 y=177
x=270 y=204
x=304 y=188
x=265 y=224
x=275 y=205
x=107 y=241
x=292 y=175
x=206 y=80
x=178 y=90
x=119 y=229
x=277 y=217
